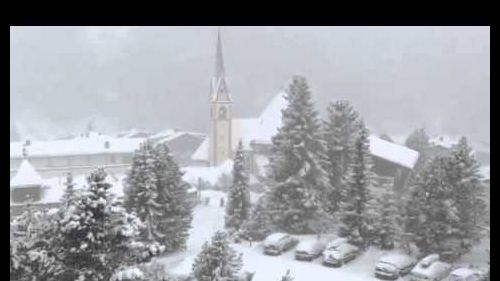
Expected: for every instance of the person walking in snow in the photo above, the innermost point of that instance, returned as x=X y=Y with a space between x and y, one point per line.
x=222 y=202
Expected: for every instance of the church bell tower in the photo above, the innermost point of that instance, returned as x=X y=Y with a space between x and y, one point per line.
x=220 y=112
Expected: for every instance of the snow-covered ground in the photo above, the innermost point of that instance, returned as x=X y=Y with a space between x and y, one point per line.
x=210 y=218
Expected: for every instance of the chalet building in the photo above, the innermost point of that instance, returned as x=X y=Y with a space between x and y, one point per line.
x=81 y=155
x=393 y=163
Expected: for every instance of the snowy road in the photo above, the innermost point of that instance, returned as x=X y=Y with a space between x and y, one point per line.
x=208 y=219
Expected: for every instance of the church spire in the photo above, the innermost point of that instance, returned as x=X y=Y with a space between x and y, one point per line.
x=219 y=91
x=219 y=61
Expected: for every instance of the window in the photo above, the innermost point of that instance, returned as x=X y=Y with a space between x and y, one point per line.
x=222 y=113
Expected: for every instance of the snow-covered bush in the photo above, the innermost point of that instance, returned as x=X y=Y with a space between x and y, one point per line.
x=217 y=261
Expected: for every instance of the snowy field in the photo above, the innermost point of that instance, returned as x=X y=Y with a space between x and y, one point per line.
x=208 y=219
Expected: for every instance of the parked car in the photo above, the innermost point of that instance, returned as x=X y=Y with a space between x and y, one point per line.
x=464 y=274
x=340 y=254
x=309 y=249
x=430 y=268
x=277 y=243
x=393 y=266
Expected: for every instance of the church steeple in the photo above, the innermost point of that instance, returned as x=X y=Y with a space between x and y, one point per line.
x=219 y=90
x=219 y=60
x=220 y=111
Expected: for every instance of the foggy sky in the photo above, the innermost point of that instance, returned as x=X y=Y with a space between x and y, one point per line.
x=158 y=77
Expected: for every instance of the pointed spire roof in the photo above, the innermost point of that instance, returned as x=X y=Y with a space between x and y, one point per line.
x=219 y=60
x=26 y=176
x=220 y=91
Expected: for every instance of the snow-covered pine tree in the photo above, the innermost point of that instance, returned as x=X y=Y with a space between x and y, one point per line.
x=174 y=215
x=141 y=189
x=33 y=248
x=96 y=236
x=418 y=140
x=217 y=261
x=296 y=168
x=69 y=193
x=432 y=214
x=238 y=202
x=258 y=226
x=355 y=211
x=389 y=219
x=468 y=193
x=339 y=131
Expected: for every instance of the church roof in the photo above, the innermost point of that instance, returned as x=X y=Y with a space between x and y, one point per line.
x=26 y=176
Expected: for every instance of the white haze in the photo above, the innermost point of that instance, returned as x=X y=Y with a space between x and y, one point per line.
x=399 y=78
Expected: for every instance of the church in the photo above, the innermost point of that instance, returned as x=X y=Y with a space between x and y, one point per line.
x=393 y=162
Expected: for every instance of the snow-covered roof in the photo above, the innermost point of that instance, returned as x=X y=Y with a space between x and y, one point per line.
x=246 y=130
x=262 y=129
x=449 y=141
x=201 y=153
x=26 y=176
x=54 y=187
x=392 y=152
x=93 y=144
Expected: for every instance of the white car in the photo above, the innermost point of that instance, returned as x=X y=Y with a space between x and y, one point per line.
x=277 y=243
x=309 y=249
x=339 y=254
x=393 y=266
x=430 y=268
x=464 y=274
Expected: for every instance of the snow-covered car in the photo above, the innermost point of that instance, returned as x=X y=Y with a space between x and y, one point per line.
x=430 y=268
x=340 y=254
x=464 y=274
x=277 y=243
x=309 y=249
x=393 y=266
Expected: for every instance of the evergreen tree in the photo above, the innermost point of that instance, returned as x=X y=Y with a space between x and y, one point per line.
x=217 y=261
x=156 y=193
x=339 y=131
x=389 y=227
x=418 y=140
x=96 y=236
x=238 y=205
x=357 y=207
x=468 y=194
x=69 y=193
x=295 y=163
x=32 y=246
x=141 y=191
x=174 y=216
x=432 y=216
x=258 y=226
